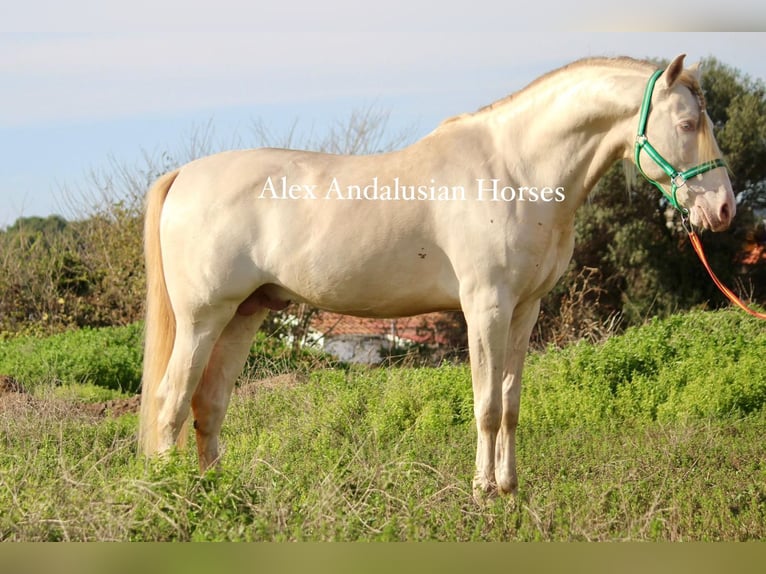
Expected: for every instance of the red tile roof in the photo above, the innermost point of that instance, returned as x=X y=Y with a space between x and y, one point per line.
x=753 y=253
x=423 y=329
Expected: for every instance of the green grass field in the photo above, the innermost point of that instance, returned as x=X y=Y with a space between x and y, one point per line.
x=654 y=435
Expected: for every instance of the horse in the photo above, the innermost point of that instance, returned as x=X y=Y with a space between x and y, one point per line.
x=477 y=216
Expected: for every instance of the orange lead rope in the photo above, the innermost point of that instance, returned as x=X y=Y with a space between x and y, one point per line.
x=697 y=244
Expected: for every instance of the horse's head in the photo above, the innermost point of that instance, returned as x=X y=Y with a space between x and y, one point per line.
x=683 y=157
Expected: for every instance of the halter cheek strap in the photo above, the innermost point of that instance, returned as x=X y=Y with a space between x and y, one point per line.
x=677 y=178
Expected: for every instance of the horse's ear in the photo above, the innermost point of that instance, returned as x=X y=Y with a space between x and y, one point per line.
x=672 y=72
x=696 y=71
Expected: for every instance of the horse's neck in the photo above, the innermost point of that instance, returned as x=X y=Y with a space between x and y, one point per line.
x=569 y=128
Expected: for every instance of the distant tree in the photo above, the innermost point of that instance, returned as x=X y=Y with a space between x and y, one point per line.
x=34 y=227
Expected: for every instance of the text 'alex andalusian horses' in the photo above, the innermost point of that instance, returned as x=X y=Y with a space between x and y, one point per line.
x=477 y=216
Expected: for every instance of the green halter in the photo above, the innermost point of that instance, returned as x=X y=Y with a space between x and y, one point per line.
x=677 y=178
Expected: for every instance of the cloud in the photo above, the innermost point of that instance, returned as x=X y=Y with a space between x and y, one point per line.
x=83 y=59
x=93 y=75
x=151 y=58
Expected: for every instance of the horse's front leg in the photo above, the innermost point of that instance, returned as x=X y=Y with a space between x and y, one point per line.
x=524 y=319
x=487 y=315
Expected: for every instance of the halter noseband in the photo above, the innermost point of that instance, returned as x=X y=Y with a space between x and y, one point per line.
x=677 y=178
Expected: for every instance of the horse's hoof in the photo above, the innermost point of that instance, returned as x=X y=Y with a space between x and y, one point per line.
x=508 y=488
x=484 y=491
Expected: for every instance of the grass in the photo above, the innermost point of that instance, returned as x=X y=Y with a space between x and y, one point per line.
x=642 y=438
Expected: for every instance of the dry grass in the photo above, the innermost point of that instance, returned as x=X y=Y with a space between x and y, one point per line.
x=579 y=316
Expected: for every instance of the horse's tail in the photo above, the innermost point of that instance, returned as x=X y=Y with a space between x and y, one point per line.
x=160 y=327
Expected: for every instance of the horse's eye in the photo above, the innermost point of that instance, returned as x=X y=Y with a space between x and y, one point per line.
x=687 y=126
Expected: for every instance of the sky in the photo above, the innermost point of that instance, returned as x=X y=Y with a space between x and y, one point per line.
x=86 y=86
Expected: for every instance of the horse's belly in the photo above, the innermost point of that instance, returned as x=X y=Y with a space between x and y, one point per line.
x=380 y=290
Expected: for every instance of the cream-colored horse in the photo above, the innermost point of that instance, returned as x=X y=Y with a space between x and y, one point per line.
x=476 y=216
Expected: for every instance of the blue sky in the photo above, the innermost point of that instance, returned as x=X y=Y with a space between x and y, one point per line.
x=85 y=83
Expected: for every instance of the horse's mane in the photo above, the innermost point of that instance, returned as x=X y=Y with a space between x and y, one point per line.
x=708 y=149
x=622 y=61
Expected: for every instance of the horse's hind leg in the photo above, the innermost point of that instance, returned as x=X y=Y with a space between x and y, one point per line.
x=193 y=344
x=211 y=398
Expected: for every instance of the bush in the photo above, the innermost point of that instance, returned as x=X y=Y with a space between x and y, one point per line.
x=112 y=357
x=106 y=357
x=698 y=365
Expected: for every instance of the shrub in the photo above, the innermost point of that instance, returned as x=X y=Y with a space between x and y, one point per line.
x=111 y=357
x=107 y=357
x=689 y=366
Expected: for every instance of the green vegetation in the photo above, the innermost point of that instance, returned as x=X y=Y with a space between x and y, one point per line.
x=654 y=435
x=107 y=357
x=701 y=365
x=112 y=357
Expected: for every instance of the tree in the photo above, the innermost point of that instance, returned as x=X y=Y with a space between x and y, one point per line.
x=34 y=227
x=737 y=106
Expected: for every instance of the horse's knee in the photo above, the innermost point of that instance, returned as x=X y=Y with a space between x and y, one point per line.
x=488 y=415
